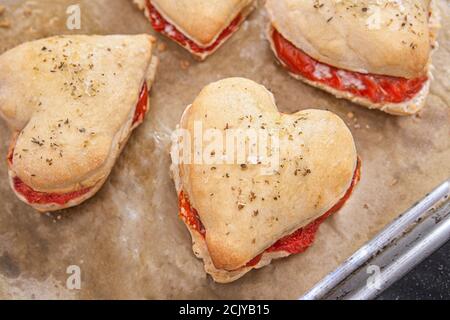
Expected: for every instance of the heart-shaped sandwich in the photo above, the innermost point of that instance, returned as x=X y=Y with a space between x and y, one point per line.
x=374 y=53
x=72 y=103
x=244 y=209
x=199 y=26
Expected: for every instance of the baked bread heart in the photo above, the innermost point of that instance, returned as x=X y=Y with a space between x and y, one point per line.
x=199 y=26
x=72 y=103
x=374 y=53
x=236 y=212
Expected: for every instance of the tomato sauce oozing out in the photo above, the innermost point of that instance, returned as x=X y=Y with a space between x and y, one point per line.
x=376 y=88
x=36 y=197
x=161 y=25
x=142 y=105
x=296 y=242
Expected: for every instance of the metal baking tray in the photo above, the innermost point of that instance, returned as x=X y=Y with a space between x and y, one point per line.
x=398 y=248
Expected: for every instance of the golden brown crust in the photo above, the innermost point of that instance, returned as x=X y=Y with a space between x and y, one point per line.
x=74 y=107
x=244 y=211
x=370 y=36
x=406 y=108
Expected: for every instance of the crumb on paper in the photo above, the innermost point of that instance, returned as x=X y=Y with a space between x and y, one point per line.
x=5 y=24
x=393 y=182
x=350 y=115
x=27 y=12
x=162 y=47
x=366 y=206
x=53 y=21
x=140 y=4
x=357 y=126
x=31 y=30
x=185 y=64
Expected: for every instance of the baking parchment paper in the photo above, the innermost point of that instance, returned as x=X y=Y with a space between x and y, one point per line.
x=128 y=240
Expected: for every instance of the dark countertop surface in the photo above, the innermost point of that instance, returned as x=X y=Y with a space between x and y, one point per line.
x=430 y=280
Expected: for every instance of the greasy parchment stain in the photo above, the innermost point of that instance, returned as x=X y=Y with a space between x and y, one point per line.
x=128 y=240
